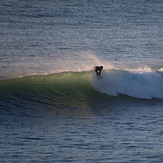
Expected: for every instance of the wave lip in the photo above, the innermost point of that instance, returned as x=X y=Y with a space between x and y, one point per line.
x=143 y=85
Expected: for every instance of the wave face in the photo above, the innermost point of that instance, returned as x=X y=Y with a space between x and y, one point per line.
x=69 y=89
x=139 y=84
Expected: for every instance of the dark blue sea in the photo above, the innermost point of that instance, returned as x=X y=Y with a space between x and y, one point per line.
x=53 y=107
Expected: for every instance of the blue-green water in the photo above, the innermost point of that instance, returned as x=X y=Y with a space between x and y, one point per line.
x=53 y=108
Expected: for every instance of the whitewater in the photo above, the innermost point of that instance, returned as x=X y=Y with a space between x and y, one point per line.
x=145 y=83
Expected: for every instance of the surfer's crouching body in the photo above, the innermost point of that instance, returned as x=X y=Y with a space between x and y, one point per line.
x=98 y=70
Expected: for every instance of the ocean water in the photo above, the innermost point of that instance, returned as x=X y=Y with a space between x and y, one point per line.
x=53 y=108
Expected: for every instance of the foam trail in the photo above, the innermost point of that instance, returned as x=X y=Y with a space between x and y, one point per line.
x=144 y=85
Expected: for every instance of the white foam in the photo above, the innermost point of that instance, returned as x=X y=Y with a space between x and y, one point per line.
x=140 y=84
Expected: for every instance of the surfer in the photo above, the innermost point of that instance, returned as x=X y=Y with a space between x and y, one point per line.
x=98 y=70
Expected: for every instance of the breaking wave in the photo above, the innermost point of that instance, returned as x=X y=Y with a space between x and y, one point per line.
x=80 y=89
x=143 y=84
